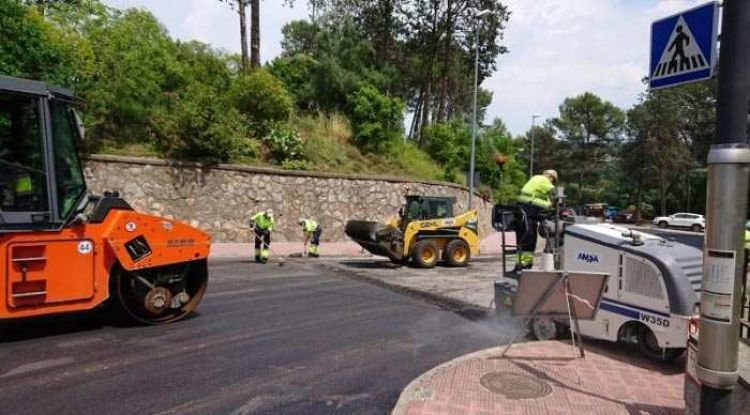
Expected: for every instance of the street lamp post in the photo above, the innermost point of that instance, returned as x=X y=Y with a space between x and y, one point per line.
x=477 y=16
x=531 y=163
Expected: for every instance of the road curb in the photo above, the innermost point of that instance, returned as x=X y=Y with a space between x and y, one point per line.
x=464 y=308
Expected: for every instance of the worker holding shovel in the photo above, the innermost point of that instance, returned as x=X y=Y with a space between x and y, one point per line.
x=311 y=231
x=262 y=223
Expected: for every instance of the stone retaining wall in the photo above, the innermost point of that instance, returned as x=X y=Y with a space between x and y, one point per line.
x=221 y=199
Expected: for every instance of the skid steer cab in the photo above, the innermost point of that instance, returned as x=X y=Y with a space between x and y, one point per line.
x=63 y=249
x=426 y=231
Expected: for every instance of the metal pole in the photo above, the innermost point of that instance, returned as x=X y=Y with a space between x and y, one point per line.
x=531 y=163
x=474 y=125
x=726 y=207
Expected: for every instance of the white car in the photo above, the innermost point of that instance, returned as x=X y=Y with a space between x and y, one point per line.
x=692 y=221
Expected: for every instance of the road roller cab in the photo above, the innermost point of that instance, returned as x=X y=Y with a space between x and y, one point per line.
x=63 y=249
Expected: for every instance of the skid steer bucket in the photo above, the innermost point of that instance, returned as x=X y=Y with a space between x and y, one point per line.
x=376 y=238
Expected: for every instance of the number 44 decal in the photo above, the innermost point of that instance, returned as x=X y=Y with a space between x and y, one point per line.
x=659 y=321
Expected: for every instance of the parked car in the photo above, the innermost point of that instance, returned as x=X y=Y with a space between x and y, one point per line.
x=594 y=210
x=567 y=213
x=624 y=216
x=694 y=222
x=611 y=213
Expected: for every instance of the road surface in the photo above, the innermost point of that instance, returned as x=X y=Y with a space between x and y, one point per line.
x=266 y=340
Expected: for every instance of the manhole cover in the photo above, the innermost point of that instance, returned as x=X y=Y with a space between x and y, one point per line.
x=515 y=385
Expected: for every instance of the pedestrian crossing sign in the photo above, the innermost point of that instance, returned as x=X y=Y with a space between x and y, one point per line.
x=683 y=47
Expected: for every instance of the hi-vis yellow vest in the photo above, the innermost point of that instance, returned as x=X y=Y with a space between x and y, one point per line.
x=536 y=191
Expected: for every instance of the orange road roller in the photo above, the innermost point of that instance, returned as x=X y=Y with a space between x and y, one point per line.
x=63 y=249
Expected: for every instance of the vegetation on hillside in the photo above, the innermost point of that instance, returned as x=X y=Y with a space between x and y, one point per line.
x=363 y=86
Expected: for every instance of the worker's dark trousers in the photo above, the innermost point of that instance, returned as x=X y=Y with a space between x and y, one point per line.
x=262 y=244
x=314 y=249
x=527 y=241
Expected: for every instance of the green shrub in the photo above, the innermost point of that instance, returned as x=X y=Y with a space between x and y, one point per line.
x=197 y=125
x=262 y=98
x=285 y=145
x=297 y=73
x=377 y=118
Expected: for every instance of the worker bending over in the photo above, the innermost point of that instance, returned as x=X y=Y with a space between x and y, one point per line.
x=535 y=201
x=262 y=223
x=311 y=231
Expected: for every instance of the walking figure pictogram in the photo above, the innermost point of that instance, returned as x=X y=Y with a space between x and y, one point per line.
x=679 y=43
x=683 y=47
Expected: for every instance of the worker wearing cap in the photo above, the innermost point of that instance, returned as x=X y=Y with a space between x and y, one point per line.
x=311 y=231
x=534 y=200
x=262 y=223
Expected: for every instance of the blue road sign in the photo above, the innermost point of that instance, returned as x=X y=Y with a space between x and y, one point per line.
x=683 y=47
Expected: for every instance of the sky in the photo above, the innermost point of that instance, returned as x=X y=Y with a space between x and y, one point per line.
x=557 y=48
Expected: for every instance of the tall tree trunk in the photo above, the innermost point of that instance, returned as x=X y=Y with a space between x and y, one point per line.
x=638 y=198
x=415 y=121
x=384 y=33
x=243 y=32
x=255 y=33
x=663 y=191
x=581 y=174
x=426 y=106
x=442 y=100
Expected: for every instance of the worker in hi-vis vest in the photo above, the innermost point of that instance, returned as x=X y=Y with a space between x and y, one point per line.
x=534 y=200
x=311 y=231
x=262 y=223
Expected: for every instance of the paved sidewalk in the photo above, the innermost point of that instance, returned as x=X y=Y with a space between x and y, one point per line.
x=490 y=246
x=285 y=249
x=546 y=378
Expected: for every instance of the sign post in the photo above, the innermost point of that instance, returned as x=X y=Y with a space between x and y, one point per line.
x=726 y=208
x=683 y=49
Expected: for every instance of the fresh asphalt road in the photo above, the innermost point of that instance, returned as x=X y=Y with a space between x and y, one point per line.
x=266 y=340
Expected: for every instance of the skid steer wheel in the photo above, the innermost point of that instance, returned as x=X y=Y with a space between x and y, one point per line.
x=424 y=254
x=649 y=346
x=457 y=253
x=159 y=295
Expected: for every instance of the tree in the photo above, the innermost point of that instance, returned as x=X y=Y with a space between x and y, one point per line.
x=656 y=121
x=549 y=152
x=505 y=181
x=255 y=33
x=199 y=125
x=134 y=60
x=241 y=6
x=588 y=127
x=440 y=36
x=33 y=48
x=262 y=98
x=377 y=118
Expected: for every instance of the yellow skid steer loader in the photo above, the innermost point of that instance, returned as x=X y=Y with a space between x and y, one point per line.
x=425 y=232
